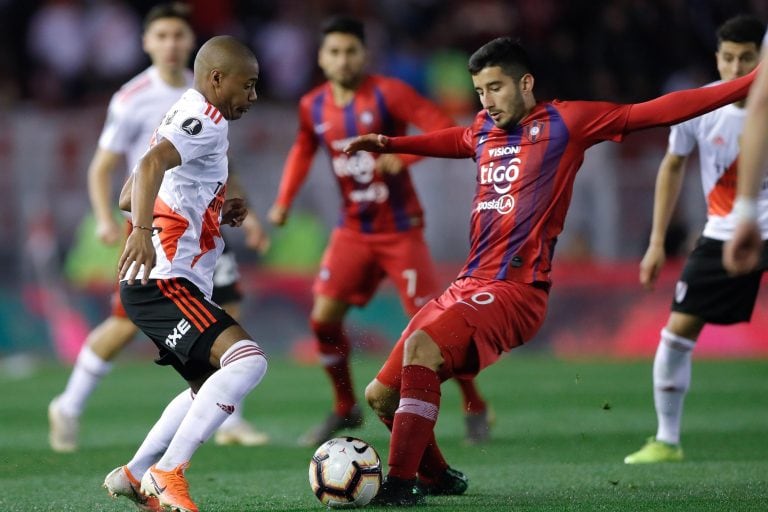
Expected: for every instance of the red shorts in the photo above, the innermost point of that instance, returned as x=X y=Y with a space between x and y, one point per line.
x=473 y=322
x=354 y=264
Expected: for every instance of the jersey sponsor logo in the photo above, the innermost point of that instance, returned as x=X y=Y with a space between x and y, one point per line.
x=504 y=204
x=681 y=288
x=482 y=140
x=192 y=126
x=359 y=166
x=500 y=176
x=178 y=332
x=374 y=193
x=502 y=151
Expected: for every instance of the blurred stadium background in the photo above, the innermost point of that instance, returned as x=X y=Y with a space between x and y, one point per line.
x=60 y=60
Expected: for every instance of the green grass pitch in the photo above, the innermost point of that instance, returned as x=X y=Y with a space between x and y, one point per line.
x=561 y=433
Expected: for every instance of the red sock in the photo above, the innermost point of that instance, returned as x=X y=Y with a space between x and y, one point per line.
x=334 y=354
x=432 y=463
x=414 y=421
x=473 y=402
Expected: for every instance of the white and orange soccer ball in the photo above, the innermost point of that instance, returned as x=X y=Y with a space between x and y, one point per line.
x=345 y=472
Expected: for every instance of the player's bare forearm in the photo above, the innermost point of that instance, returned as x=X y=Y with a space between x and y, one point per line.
x=255 y=236
x=124 y=201
x=147 y=179
x=446 y=143
x=742 y=253
x=669 y=182
x=754 y=147
x=100 y=172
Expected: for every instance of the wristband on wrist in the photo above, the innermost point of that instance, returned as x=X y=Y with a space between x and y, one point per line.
x=745 y=209
x=145 y=228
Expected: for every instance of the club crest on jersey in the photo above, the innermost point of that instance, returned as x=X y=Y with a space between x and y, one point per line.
x=681 y=288
x=192 y=126
x=533 y=132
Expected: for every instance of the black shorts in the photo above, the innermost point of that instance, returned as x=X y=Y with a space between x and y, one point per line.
x=225 y=279
x=180 y=321
x=705 y=289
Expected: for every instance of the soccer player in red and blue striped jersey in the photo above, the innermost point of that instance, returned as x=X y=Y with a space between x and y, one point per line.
x=527 y=156
x=380 y=231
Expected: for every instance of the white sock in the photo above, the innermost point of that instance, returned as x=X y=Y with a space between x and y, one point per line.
x=88 y=371
x=671 y=379
x=242 y=367
x=159 y=437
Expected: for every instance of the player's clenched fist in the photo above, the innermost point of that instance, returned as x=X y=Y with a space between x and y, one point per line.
x=233 y=212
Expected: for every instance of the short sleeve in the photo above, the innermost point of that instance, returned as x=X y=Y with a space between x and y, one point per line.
x=682 y=138
x=194 y=135
x=120 y=129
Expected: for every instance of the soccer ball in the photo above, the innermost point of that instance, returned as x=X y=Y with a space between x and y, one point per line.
x=345 y=472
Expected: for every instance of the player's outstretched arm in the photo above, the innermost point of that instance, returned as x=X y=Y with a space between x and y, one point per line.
x=146 y=184
x=680 y=106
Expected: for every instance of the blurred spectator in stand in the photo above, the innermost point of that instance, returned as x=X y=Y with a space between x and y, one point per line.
x=114 y=36
x=286 y=52
x=56 y=42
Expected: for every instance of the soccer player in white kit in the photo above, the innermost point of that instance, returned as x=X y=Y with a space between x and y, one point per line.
x=177 y=198
x=134 y=113
x=705 y=292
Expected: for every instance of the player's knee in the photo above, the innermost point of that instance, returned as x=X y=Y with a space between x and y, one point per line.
x=327 y=310
x=382 y=400
x=421 y=349
x=685 y=326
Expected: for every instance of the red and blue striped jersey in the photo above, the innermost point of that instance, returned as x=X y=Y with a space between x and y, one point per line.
x=371 y=202
x=525 y=173
x=524 y=183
